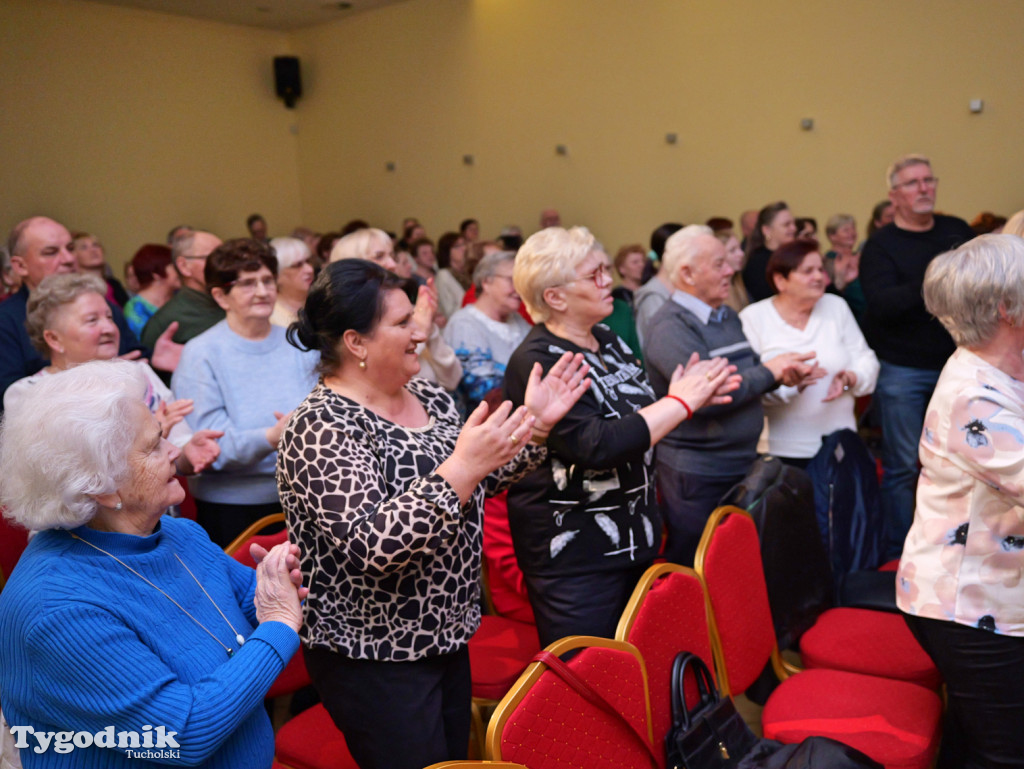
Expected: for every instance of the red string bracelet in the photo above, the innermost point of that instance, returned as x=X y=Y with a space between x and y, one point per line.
x=689 y=411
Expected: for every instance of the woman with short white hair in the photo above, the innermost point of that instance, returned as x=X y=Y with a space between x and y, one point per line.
x=585 y=523
x=118 y=616
x=959 y=582
x=294 y=277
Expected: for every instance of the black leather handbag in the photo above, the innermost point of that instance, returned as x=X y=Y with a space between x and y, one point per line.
x=709 y=734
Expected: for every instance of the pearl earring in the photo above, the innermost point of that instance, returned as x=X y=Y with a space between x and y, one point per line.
x=362 y=365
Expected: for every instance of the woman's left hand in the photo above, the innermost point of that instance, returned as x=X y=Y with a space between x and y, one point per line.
x=169 y=414
x=426 y=307
x=200 y=452
x=549 y=399
x=841 y=382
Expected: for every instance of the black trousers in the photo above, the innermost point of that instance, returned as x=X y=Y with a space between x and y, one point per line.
x=224 y=522
x=397 y=715
x=581 y=604
x=984 y=675
x=687 y=501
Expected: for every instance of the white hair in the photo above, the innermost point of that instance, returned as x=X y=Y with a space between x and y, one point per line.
x=359 y=244
x=289 y=251
x=68 y=441
x=967 y=288
x=549 y=258
x=681 y=248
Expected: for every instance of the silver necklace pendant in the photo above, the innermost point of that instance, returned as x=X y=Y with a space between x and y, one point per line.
x=239 y=639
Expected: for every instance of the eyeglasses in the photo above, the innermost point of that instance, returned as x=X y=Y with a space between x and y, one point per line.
x=248 y=285
x=928 y=181
x=601 y=276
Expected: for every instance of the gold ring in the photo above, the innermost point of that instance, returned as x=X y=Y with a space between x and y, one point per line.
x=707 y=375
x=512 y=438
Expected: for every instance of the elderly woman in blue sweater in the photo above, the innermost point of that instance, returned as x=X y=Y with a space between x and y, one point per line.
x=244 y=379
x=126 y=635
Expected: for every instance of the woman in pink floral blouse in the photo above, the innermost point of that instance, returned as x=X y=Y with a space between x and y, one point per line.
x=961 y=578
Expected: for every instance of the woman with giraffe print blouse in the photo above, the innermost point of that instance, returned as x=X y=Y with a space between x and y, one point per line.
x=383 y=488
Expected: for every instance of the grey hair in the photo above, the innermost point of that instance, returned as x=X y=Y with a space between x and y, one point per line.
x=68 y=441
x=290 y=252
x=547 y=259
x=904 y=162
x=681 y=248
x=967 y=288
x=356 y=245
x=488 y=267
x=53 y=293
x=838 y=220
x=181 y=245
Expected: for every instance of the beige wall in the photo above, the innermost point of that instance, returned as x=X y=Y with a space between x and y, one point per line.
x=127 y=122
x=424 y=82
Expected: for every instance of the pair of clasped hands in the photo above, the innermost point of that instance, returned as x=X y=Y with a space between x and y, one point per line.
x=801 y=370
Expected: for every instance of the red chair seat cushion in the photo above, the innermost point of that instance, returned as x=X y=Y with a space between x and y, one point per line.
x=875 y=643
x=894 y=722
x=310 y=740
x=498 y=652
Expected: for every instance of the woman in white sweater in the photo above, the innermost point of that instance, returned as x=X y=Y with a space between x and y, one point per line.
x=801 y=317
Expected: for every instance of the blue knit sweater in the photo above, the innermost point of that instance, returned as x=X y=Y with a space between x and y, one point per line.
x=85 y=644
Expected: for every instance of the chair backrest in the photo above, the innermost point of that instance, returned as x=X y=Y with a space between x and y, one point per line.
x=239 y=549
x=545 y=724
x=13 y=541
x=729 y=562
x=666 y=615
x=468 y=764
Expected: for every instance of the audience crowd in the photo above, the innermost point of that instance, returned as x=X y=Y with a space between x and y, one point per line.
x=376 y=387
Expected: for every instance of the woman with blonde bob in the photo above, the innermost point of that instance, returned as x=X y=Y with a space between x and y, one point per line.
x=117 y=615
x=959 y=582
x=585 y=523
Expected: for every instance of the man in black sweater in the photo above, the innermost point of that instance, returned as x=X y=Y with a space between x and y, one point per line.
x=910 y=343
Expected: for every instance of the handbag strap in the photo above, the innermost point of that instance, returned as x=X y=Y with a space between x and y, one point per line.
x=587 y=692
x=707 y=692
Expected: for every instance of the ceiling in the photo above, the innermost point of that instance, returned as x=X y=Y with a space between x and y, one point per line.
x=268 y=14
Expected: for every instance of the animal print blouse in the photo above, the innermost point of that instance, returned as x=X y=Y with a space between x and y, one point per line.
x=391 y=559
x=963 y=560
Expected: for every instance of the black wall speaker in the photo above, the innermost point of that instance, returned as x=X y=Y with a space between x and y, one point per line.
x=287 y=79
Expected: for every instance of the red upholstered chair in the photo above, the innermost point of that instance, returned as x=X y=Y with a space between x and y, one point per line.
x=666 y=615
x=894 y=722
x=499 y=652
x=294 y=676
x=312 y=741
x=876 y=643
x=476 y=765
x=545 y=724
x=13 y=541
x=239 y=548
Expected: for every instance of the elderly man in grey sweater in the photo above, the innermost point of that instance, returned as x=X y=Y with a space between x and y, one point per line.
x=705 y=456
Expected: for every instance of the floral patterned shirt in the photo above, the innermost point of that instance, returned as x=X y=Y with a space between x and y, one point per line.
x=964 y=555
